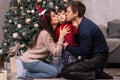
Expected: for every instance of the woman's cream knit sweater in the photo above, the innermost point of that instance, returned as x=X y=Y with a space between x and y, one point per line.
x=45 y=46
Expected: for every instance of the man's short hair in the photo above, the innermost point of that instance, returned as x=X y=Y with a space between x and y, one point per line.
x=77 y=6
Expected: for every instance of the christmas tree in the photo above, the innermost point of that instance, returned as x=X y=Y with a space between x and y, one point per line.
x=21 y=23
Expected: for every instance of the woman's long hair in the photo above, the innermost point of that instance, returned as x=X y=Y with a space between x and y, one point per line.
x=44 y=24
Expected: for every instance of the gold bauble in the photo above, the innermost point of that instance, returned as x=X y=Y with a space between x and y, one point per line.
x=39 y=1
x=27 y=20
x=24 y=33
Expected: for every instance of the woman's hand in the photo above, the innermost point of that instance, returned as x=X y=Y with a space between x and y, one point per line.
x=64 y=31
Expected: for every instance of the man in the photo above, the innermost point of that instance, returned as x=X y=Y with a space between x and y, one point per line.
x=92 y=47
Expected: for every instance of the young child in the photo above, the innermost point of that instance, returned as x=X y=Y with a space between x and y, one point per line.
x=69 y=38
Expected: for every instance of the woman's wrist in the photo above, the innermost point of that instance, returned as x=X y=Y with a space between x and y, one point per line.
x=61 y=40
x=61 y=36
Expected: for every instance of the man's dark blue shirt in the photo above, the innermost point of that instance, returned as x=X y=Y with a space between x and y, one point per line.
x=91 y=40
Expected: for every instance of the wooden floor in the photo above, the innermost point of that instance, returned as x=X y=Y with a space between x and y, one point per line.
x=113 y=71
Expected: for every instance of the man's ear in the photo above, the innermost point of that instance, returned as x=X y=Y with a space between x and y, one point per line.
x=76 y=13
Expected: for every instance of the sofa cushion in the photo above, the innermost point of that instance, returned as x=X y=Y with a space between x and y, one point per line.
x=113 y=43
x=114 y=29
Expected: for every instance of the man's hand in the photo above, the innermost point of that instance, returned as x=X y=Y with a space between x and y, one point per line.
x=65 y=45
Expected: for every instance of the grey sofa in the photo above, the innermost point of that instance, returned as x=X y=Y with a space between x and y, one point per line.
x=112 y=35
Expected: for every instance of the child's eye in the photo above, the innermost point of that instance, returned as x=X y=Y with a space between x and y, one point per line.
x=63 y=13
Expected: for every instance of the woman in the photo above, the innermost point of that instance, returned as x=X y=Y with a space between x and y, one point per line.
x=35 y=58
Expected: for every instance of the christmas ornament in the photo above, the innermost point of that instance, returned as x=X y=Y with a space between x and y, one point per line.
x=22 y=45
x=21 y=51
x=15 y=23
x=19 y=1
x=65 y=1
x=1 y=51
x=16 y=18
x=56 y=8
x=51 y=4
x=22 y=13
x=28 y=0
x=5 y=30
x=15 y=7
x=65 y=5
x=24 y=33
x=19 y=26
x=12 y=8
x=27 y=21
x=15 y=12
x=36 y=25
x=21 y=7
x=44 y=2
x=15 y=35
x=32 y=11
x=39 y=14
x=5 y=44
x=39 y=1
x=10 y=21
x=28 y=11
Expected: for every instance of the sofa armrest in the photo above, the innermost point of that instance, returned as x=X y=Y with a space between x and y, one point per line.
x=113 y=43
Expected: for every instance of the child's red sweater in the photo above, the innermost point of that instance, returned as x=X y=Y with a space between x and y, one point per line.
x=71 y=37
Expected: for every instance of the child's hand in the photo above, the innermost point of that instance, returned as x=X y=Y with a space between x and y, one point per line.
x=64 y=31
